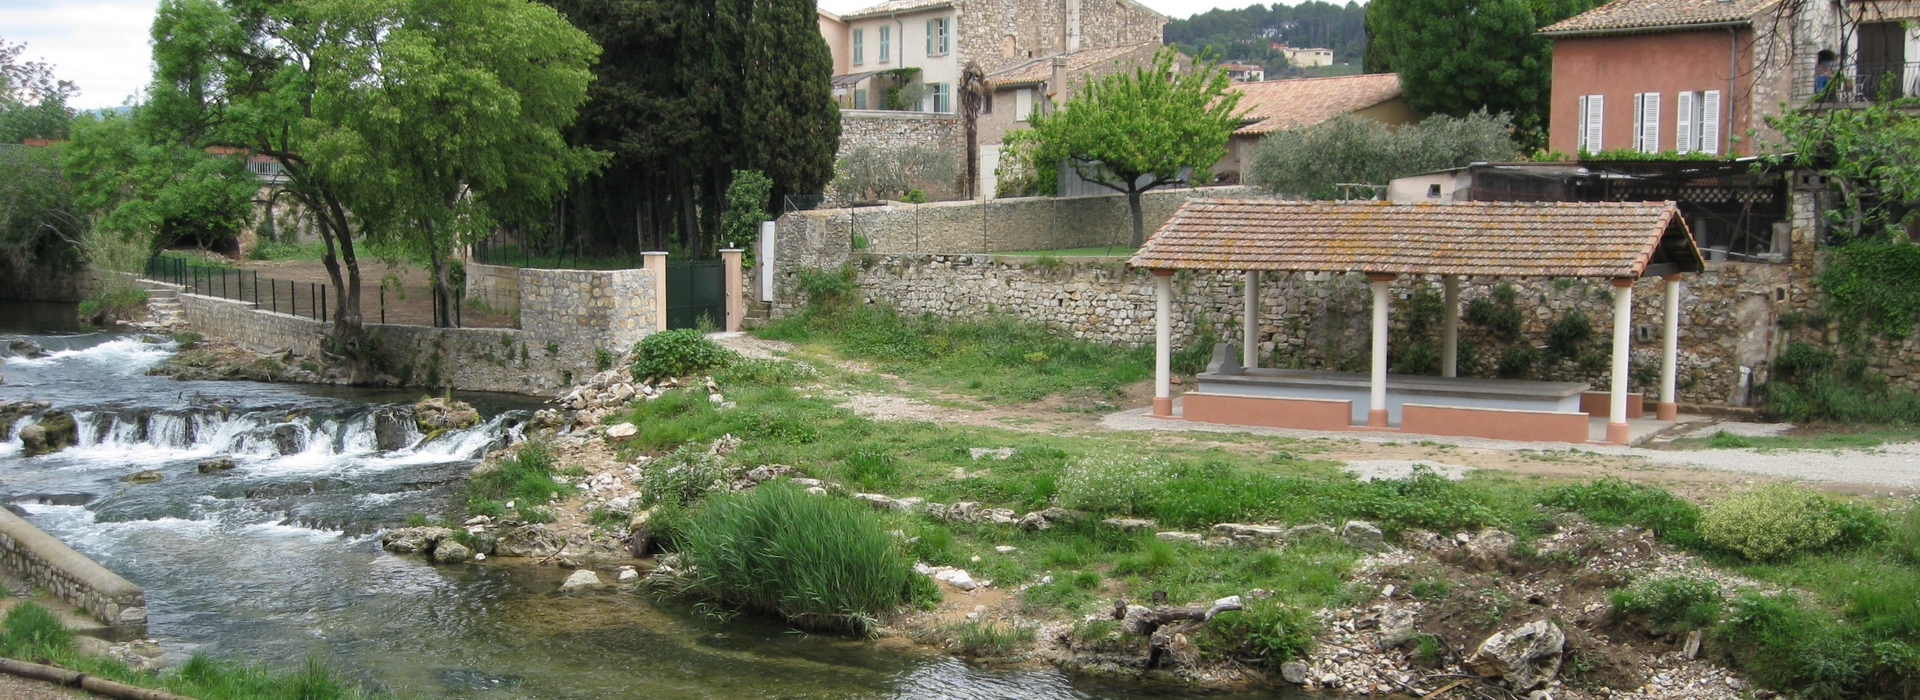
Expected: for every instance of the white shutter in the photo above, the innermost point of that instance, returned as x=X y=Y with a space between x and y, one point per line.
x=1650 y=123
x=1022 y=104
x=1710 y=122
x=1580 y=126
x=1683 y=124
x=930 y=37
x=1596 y=111
x=1639 y=121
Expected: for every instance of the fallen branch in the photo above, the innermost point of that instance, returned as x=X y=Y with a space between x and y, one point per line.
x=75 y=679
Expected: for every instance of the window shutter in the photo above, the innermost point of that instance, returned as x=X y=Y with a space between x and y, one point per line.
x=1580 y=127
x=1650 y=123
x=930 y=31
x=1596 y=111
x=1683 y=123
x=944 y=35
x=1639 y=121
x=1710 y=122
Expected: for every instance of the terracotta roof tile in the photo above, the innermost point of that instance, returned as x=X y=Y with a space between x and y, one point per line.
x=1283 y=104
x=1656 y=14
x=1557 y=239
x=1079 y=63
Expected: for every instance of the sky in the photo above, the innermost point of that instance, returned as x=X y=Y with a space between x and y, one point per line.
x=102 y=44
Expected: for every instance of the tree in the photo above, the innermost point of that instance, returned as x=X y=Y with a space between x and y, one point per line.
x=1138 y=130
x=892 y=172
x=33 y=102
x=747 y=199
x=1310 y=161
x=39 y=224
x=974 y=91
x=1459 y=56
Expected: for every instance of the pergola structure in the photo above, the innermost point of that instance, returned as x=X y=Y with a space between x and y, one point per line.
x=1620 y=242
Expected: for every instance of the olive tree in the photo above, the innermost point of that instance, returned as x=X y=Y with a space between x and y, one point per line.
x=1312 y=161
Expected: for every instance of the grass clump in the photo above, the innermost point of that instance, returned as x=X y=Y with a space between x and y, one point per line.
x=114 y=303
x=683 y=477
x=1785 y=642
x=681 y=352
x=986 y=638
x=816 y=561
x=1813 y=385
x=1615 y=501
x=1777 y=521
x=524 y=478
x=1267 y=634
x=1673 y=604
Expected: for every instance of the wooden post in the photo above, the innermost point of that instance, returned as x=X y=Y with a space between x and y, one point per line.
x=1377 y=398
x=730 y=259
x=1617 y=431
x=1250 y=350
x=1450 y=327
x=657 y=262
x=1163 y=343
x=1670 y=349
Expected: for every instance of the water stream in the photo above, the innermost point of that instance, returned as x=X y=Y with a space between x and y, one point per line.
x=275 y=561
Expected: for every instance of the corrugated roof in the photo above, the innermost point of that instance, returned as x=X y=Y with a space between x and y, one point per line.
x=1283 y=104
x=1513 y=239
x=892 y=6
x=1626 y=15
x=1079 y=62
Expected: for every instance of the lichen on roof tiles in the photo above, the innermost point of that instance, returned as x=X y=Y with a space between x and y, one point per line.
x=1274 y=105
x=1626 y=15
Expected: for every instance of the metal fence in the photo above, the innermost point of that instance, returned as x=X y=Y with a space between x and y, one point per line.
x=308 y=299
x=513 y=251
x=1866 y=82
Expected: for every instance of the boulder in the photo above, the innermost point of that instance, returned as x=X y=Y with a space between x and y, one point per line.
x=144 y=476
x=408 y=540
x=450 y=551
x=33 y=440
x=622 y=430
x=1363 y=535
x=1034 y=521
x=958 y=578
x=1294 y=672
x=530 y=540
x=28 y=349
x=13 y=411
x=1491 y=550
x=1526 y=657
x=56 y=431
x=390 y=430
x=581 y=580
x=436 y=414
x=640 y=533
x=289 y=439
x=1193 y=537
x=1396 y=627
x=216 y=465
x=1249 y=534
x=1130 y=524
x=767 y=472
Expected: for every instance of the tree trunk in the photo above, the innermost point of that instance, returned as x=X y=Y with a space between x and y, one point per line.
x=1133 y=207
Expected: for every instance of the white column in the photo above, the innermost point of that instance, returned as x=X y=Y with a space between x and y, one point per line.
x=1670 y=349
x=1163 y=343
x=1622 y=351
x=1450 y=327
x=768 y=234
x=657 y=262
x=1250 y=322
x=1377 y=399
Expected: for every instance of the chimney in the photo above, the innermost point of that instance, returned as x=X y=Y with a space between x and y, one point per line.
x=1073 y=26
x=1057 y=85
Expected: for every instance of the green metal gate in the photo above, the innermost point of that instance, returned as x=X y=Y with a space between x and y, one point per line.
x=696 y=288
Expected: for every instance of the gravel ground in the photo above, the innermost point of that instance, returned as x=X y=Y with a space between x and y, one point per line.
x=14 y=688
x=1890 y=465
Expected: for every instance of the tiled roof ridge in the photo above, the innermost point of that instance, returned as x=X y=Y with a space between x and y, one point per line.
x=1642 y=15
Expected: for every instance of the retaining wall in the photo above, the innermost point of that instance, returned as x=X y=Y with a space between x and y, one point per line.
x=49 y=564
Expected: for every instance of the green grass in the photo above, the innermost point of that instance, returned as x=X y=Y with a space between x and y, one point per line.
x=310 y=250
x=30 y=632
x=1674 y=604
x=1823 y=440
x=819 y=562
x=524 y=478
x=1615 y=501
x=984 y=638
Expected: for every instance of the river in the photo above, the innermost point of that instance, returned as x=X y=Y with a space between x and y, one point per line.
x=276 y=560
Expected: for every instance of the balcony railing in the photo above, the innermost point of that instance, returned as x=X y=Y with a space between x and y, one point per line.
x=1869 y=82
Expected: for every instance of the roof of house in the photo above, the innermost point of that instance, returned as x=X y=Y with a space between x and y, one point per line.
x=1552 y=239
x=893 y=6
x=1622 y=16
x=1280 y=104
x=1039 y=70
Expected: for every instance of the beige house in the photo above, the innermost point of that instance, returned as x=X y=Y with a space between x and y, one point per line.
x=1307 y=57
x=1276 y=105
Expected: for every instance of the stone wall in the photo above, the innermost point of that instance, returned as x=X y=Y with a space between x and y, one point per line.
x=497 y=286
x=48 y=564
x=894 y=129
x=567 y=316
x=43 y=284
x=1003 y=33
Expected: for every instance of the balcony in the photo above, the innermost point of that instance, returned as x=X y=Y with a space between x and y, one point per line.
x=1867 y=83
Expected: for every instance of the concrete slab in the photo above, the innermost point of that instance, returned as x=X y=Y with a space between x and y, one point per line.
x=1639 y=430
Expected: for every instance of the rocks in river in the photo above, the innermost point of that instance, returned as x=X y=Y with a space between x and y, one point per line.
x=11 y=411
x=1293 y=672
x=27 y=349
x=389 y=429
x=1526 y=657
x=289 y=439
x=640 y=533
x=581 y=580
x=216 y=465
x=437 y=414
x=56 y=431
x=408 y=540
x=528 y=540
x=144 y=476
x=449 y=551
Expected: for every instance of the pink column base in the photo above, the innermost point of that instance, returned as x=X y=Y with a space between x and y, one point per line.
x=1668 y=410
x=1163 y=406
x=1377 y=418
x=1618 y=434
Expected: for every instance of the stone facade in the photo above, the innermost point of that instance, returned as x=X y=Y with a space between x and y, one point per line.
x=497 y=286
x=46 y=563
x=1002 y=33
x=889 y=129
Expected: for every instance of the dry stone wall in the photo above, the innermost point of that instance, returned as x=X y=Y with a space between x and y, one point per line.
x=48 y=564
x=895 y=129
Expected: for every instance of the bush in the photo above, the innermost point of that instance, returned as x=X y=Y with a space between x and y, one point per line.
x=1615 y=501
x=1812 y=385
x=818 y=561
x=983 y=638
x=524 y=477
x=681 y=352
x=683 y=477
x=1671 y=604
x=1267 y=631
x=1784 y=642
x=114 y=303
x=1111 y=483
x=1778 y=521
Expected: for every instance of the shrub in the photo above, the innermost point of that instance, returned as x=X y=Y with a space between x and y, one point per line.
x=524 y=477
x=984 y=638
x=185 y=340
x=1568 y=334
x=1110 y=483
x=1267 y=631
x=1778 y=521
x=1672 y=604
x=114 y=303
x=1811 y=385
x=682 y=477
x=817 y=561
x=1615 y=501
x=1783 y=642
x=680 y=352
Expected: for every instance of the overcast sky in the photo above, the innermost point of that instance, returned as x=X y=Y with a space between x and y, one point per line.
x=102 y=44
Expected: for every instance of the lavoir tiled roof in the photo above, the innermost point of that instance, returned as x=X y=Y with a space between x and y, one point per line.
x=1509 y=239
x=1274 y=105
x=1630 y=15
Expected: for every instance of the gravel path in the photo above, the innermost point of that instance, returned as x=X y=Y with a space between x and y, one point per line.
x=1890 y=465
x=14 y=688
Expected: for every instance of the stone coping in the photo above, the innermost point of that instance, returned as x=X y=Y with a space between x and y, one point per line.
x=1396 y=383
x=48 y=563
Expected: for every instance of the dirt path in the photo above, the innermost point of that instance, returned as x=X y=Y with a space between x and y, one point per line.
x=416 y=308
x=13 y=688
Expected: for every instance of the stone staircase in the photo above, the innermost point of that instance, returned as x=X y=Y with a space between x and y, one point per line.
x=163 y=313
x=757 y=313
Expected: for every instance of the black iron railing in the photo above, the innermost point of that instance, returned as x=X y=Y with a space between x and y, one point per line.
x=1868 y=82
x=306 y=299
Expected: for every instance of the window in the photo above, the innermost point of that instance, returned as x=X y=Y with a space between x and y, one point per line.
x=860 y=98
x=1699 y=122
x=937 y=37
x=1022 y=105
x=886 y=43
x=940 y=95
x=859 y=46
x=986 y=103
x=1592 y=109
x=1646 y=122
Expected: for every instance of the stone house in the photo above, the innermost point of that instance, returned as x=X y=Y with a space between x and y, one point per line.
x=1275 y=105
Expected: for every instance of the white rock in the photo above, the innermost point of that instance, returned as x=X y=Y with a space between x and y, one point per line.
x=716 y=398
x=627 y=574
x=1005 y=549
x=479 y=556
x=584 y=578
x=623 y=430
x=478 y=520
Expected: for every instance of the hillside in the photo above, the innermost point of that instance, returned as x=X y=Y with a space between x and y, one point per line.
x=1247 y=35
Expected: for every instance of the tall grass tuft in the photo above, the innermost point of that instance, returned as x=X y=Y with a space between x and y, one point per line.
x=33 y=632
x=819 y=562
x=1615 y=501
x=524 y=477
x=1812 y=385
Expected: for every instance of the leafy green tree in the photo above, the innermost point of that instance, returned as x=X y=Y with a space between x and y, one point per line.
x=1459 y=56
x=747 y=199
x=1134 y=131
x=33 y=102
x=1309 y=161
x=137 y=183
x=39 y=224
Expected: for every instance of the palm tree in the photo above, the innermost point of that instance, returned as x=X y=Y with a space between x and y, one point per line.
x=973 y=94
